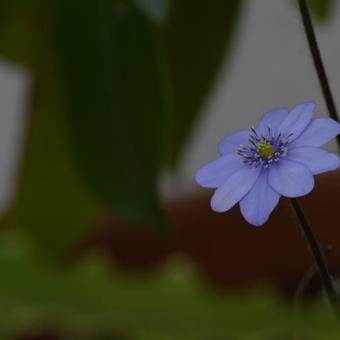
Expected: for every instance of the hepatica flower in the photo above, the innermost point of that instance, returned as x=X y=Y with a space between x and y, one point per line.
x=277 y=158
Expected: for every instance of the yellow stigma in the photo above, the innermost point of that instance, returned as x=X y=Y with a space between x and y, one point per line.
x=265 y=149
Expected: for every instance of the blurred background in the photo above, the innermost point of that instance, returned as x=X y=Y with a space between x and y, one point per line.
x=107 y=109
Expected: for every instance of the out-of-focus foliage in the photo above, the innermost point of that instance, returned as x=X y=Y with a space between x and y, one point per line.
x=114 y=95
x=167 y=305
x=197 y=37
x=52 y=205
x=117 y=85
x=321 y=8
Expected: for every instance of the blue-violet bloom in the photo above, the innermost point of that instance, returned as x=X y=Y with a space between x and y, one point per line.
x=278 y=157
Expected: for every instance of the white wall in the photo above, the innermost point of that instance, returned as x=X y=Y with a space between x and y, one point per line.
x=14 y=90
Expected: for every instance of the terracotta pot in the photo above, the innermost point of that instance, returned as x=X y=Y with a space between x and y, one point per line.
x=227 y=251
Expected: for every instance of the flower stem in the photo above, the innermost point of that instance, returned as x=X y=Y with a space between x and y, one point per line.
x=320 y=69
x=318 y=255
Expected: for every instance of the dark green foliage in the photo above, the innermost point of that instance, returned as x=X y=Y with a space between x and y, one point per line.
x=197 y=37
x=114 y=95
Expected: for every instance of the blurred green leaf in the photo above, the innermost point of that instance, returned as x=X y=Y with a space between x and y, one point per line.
x=90 y=299
x=52 y=204
x=112 y=77
x=198 y=36
x=321 y=8
x=112 y=74
x=19 y=30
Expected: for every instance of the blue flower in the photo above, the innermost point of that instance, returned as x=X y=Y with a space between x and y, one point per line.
x=278 y=157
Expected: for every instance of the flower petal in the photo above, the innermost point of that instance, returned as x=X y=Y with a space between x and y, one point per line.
x=297 y=119
x=260 y=201
x=234 y=189
x=290 y=179
x=232 y=142
x=217 y=172
x=273 y=118
x=315 y=159
x=318 y=132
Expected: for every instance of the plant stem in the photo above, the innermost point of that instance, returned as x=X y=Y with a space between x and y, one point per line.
x=320 y=69
x=318 y=255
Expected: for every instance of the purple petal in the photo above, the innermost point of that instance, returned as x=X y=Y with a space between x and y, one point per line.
x=260 y=201
x=297 y=119
x=318 y=132
x=234 y=189
x=232 y=142
x=315 y=159
x=273 y=118
x=290 y=179
x=217 y=172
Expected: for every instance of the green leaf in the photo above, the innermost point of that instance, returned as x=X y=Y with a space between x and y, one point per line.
x=52 y=204
x=198 y=36
x=111 y=73
x=321 y=9
x=19 y=29
x=89 y=299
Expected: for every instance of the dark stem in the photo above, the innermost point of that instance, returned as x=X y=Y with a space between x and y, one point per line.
x=306 y=280
x=320 y=69
x=318 y=255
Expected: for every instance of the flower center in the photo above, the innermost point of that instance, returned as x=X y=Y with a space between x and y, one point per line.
x=265 y=149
